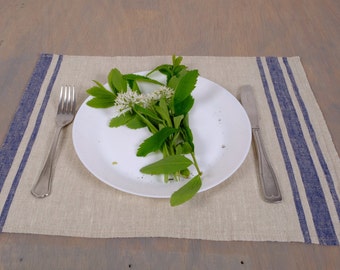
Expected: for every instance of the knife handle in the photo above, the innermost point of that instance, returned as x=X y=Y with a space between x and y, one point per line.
x=270 y=188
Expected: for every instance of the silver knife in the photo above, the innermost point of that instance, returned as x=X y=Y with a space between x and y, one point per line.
x=269 y=185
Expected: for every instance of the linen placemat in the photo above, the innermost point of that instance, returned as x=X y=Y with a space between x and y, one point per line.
x=294 y=132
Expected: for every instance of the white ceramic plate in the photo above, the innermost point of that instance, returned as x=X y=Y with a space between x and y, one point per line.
x=222 y=137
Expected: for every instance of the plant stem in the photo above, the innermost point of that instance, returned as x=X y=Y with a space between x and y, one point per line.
x=152 y=128
x=195 y=163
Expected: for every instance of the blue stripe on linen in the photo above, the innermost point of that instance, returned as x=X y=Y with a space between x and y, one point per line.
x=26 y=155
x=315 y=196
x=290 y=172
x=314 y=139
x=20 y=121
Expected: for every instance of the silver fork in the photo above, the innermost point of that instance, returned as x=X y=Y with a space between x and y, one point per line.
x=65 y=115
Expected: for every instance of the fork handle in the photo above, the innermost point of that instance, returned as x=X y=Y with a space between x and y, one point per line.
x=43 y=186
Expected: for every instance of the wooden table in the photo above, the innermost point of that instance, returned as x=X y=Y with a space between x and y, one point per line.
x=309 y=29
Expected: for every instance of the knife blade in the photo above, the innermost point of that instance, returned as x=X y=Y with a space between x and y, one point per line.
x=268 y=181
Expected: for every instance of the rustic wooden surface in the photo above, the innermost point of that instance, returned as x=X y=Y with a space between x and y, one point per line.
x=309 y=29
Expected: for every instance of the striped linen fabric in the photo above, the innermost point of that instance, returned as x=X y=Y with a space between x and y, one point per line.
x=294 y=132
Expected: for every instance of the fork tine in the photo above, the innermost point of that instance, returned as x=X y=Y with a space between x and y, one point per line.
x=65 y=102
x=69 y=103
x=68 y=100
x=60 y=104
x=73 y=101
x=71 y=98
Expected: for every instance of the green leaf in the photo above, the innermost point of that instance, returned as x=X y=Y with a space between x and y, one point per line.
x=146 y=112
x=183 y=148
x=186 y=192
x=185 y=86
x=167 y=165
x=173 y=82
x=141 y=78
x=176 y=61
x=179 y=149
x=100 y=103
x=100 y=92
x=182 y=108
x=177 y=67
x=155 y=142
x=102 y=97
x=110 y=82
x=117 y=81
x=136 y=122
x=186 y=148
x=177 y=120
x=121 y=119
x=185 y=173
x=147 y=122
x=187 y=133
x=165 y=69
x=163 y=111
x=134 y=86
x=100 y=85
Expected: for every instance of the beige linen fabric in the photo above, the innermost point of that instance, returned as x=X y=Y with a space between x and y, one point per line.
x=81 y=205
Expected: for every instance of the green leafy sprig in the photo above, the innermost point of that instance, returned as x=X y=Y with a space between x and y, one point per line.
x=164 y=112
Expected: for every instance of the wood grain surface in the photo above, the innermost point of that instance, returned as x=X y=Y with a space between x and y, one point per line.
x=307 y=28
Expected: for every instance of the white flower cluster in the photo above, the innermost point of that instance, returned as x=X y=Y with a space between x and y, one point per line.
x=125 y=101
x=161 y=92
